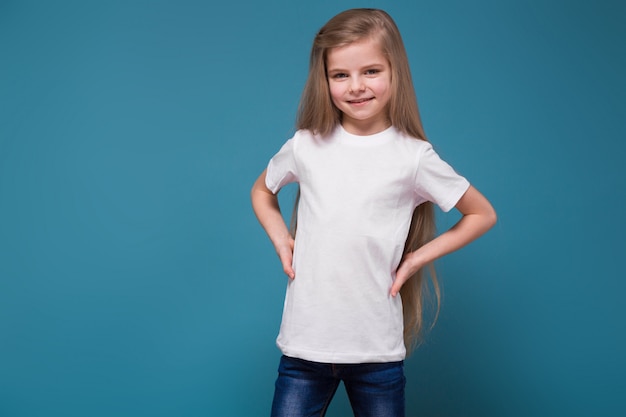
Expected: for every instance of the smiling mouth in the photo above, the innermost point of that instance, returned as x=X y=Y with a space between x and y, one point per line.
x=361 y=100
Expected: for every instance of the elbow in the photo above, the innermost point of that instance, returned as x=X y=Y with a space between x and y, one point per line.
x=491 y=218
x=252 y=192
x=258 y=188
x=255 y=195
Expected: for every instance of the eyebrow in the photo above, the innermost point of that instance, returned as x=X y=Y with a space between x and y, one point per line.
x=373 y=65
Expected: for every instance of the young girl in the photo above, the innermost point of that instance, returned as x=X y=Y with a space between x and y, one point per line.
x=367 y=178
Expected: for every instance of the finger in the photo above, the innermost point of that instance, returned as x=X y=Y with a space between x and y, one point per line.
x=290 y=272
x=289 y=269
x=395 y=289
x=396 y=286
x=286 y=258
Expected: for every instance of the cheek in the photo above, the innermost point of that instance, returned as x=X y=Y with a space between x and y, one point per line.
x=381 y=87
x=336 y=93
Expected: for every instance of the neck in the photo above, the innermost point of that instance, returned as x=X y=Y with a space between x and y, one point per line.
x=361 y=128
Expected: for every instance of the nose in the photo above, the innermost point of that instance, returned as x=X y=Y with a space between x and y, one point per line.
x=356 y=84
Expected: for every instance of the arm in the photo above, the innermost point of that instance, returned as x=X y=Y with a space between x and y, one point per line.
x=478 y=217
x=267 y=210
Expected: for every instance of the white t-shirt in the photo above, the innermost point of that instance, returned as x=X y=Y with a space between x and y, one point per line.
x=357 y=197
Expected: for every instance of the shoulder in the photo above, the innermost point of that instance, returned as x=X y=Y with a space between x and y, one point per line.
x=410 y=144
x=306 y=140
x=299 y=138
x=303 y=136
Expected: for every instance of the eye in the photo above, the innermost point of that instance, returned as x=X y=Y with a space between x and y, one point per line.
x=339 y=75
x=372 y=71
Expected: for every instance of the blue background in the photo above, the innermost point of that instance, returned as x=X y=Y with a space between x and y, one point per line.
x=135 y=280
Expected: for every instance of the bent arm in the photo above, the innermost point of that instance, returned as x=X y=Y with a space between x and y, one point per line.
x=478 y=217
x=267 y=211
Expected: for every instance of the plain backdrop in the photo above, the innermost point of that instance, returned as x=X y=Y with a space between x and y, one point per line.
x=135 y=280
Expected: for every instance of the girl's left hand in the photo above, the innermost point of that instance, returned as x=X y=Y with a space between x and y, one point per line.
x=407 y=268
x=478 y=217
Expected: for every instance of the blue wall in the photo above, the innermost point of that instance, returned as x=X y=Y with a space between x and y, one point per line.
x=135 y=281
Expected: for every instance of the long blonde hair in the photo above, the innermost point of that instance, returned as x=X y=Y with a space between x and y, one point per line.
x=318 y=114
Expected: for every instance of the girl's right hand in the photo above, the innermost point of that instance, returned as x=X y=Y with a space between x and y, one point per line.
x=267 y=210
x=285 y=254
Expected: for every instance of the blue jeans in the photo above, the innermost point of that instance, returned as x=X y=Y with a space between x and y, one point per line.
x=305 y=389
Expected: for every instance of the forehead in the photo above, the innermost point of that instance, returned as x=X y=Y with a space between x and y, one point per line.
x=362 y=52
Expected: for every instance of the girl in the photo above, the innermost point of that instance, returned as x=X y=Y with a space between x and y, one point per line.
x=368 y=179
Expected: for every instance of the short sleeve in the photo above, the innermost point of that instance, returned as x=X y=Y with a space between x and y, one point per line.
x=436 y=181
x=281 y=169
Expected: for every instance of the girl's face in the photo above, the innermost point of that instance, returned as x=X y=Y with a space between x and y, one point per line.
x=359 y=78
